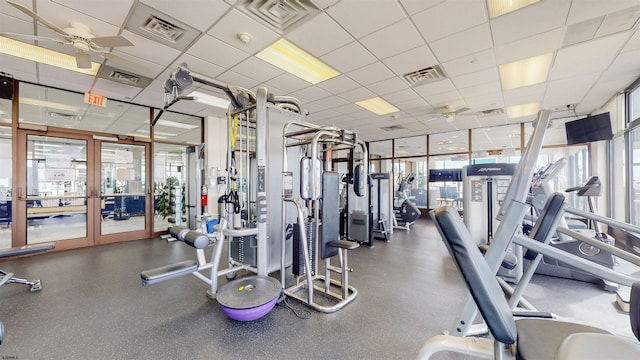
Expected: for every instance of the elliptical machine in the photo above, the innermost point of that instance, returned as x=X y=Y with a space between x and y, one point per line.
x=405 y=211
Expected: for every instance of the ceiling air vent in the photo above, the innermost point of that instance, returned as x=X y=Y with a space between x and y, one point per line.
x=124 y=77
x=279 y=15
x=490 y=112
x=392 y=128
x=63 y=116
x=425 y=76
x=162 y=28
x=120 y=76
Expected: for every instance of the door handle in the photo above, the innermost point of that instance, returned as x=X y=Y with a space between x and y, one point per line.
x=19 y=193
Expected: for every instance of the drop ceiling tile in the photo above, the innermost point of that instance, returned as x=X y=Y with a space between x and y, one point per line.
x=476 y=78
x=332 y=102
x=538 y=44
x=370 y=74
x=633 y=43
x=388 y=86
x=524 y=95
x=488 y=89
x=142 y=67
x=568 y=91
x=217 y=52
x=349 y=57
x=485 y=102
x=440 y=100
x=312 y=93
x=320 y=35
x=191 y=14
x=585 y=58
x=359 y=19
x=233 y=22
x=531 y=20
x=587 y=9
x=470 y=63
x=415 y=6
x=327 y=114
x=288 y=83
x=449 y=18
x=601 y=93
x=626 y=63
x=347 y=109
x=257 y=69
x=338 y=84
x=233 y=78
x=115 y=90
x=412 y=60
x=433 y=88
x=61 y=16
x=358 y=94
x=402 y=96
x=463 y=43
x=19 y=68
x=82 y=81
x=16 y=25
x=393 y=39
x=148 y=50
x=198 y=66
x=412 y=106
x=112 y=12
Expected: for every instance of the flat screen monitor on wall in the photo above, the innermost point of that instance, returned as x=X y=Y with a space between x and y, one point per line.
x=589 y=129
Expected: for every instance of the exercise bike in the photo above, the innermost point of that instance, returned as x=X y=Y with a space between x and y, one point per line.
x=405 y=211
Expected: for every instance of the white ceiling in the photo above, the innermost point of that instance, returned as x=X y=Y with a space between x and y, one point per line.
x=372 y=43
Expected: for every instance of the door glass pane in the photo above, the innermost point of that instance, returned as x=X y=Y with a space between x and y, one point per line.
x=5 y=186
x=169 y=172
x=445 y=180
x=122 y=188
x=56 y=189
x=414 y=170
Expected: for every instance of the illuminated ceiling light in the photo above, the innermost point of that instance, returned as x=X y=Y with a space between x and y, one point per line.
x=522 y=110
x=210 y=100
x=44 y=56
x=155 y=133
x=525 y=72
x=48 y=104
x=296 y=61
x=175 y=124
x=378 y=106
x=501 y=7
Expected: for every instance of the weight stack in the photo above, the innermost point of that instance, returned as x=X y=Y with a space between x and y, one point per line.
x=245 y=250
x=298 y=254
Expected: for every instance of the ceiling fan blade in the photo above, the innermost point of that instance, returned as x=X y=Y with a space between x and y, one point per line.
x=135 y=67
x=83 y=60
x=32 y=37
x=39 y=18
x=111 y=41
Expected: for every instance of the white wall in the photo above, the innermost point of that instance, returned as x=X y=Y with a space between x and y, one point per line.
x=216 y=156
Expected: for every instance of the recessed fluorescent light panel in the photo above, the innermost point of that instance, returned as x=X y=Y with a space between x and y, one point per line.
x=501 y=7
x=288 y=57
x=522 y=110
x=175 y=124
x=533 y=70
x=378 y=106
x=210 y=100
x=44 y=56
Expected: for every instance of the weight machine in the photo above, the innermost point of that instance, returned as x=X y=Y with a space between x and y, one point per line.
x=252 y=212
x=310 y=210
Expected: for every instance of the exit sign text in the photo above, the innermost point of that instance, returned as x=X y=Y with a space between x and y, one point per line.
x=94 y=99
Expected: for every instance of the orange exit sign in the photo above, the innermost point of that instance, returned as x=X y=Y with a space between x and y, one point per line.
x=94 y=99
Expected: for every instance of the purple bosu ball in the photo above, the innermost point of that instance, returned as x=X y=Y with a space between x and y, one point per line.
x=249 y=298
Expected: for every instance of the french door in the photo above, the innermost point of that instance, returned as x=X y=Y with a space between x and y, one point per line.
x=79 y=190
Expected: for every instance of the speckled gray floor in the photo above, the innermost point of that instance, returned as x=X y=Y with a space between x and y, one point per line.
x=94 y=307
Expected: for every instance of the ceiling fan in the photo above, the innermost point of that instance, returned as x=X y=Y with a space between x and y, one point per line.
x=82 y=39
x=448 y=112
